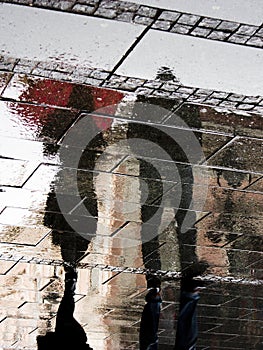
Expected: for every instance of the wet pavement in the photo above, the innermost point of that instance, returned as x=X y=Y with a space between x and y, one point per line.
x=124 y=184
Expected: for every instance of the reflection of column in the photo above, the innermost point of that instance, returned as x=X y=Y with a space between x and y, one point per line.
x=118 y=203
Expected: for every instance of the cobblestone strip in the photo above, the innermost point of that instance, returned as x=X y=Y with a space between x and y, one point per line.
x=166 y=275
x=169 y=21
x=171 y=89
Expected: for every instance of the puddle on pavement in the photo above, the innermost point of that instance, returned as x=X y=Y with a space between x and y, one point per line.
x=114 y=206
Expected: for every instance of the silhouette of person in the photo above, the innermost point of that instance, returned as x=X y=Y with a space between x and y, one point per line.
x=187 y=329
x=150 y=315
x=68 y=334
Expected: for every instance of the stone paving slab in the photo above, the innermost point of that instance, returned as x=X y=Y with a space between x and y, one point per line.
x=39 y=35
x=196 y=62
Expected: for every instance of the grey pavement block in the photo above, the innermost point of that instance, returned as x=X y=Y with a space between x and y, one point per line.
x=88 y=2
x=258 y=109
x=108 y=4
x=29 y=63
x=246 y=29
x=209 y=22
x=255 y=41
x=125 y=17
x=23 y=69
x=81 y=8
x=228 y=104
x=180 y=95
x=128 y=6
x=181 y=29
x=213 y=101
x=161 y=93
x=59 y=75
x=135 y=81
x=219 y=94
x=44 y=3
x=186 y=90
x=162 y=25
x=143 y=20
x=253 y=99
x=202 y=32
x=147 y=11
x=260 y=32
x=118 y=78
x=203 y=92
x=238 y=39
x=152 y=84
x=112 y=84
x=99 y=75
x=42 y=72
x=144 y=91
x=245 y=106
x=169 y=16
x=131 y=84
x=63 y=5
x=169 y=86
x=63 y=67
x=236 y=97
x=228 y=26
x=106 y=13
x=196 y=99
x=218 y=35
x=92 y=81
x=47 y=65
x=188 y=19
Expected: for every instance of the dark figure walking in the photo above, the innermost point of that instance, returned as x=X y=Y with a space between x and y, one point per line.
x=68 y=334
x=150 y=317
x=187 y=332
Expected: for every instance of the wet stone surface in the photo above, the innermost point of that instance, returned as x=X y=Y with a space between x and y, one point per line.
x=117 y=209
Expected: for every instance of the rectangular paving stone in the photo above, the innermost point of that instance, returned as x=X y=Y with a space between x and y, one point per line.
x=45 y=43
x=169 y=16
x=39 y=123
x=190 y=20
x=15 y=172
x=249 y=159
x=198 y=31
x=28 y=150
x=19 y=234
x=238 y=39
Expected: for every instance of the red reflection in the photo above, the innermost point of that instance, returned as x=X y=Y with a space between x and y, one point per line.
x=57 y=94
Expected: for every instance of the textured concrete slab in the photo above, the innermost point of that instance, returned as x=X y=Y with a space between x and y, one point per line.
x=197 y=62
x=38 y=34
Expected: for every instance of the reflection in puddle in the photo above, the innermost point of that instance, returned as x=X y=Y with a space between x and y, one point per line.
x=127 y=210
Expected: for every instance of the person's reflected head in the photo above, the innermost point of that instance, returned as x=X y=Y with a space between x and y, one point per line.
x=153 y=282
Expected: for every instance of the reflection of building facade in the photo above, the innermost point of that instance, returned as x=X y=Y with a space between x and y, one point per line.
x=117 y=243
